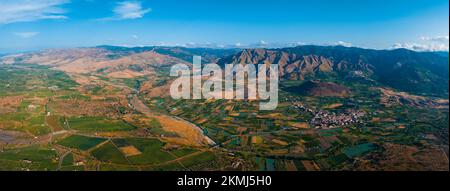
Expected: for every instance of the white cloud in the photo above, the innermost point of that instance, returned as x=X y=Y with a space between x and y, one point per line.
x=128 y=10
x=342 y=43
x=26 y=34
x=421 y=47
x=12 y=11
x=262 y=42
x=437 y=43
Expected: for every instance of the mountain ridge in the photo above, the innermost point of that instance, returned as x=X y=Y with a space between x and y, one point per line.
x=424 y=73
x=406 y=70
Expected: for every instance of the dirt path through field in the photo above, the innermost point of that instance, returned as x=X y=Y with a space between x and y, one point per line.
x=189 y=133
x=61 y=160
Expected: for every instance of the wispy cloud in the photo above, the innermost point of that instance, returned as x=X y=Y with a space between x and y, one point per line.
x=128 y=10
x=421 y=47
x=12 y=11
x=26 y=34
x=436 y=39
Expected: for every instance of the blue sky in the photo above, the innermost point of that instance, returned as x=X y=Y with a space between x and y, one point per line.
x=38 y=24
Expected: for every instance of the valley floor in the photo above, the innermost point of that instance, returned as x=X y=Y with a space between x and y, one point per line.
x=51 y=120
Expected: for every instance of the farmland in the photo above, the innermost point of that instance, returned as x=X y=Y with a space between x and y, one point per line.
x=141 y=85
x=32 y=158
x=98 y=124
x=290 y=138
x=80 y=142
x=70 y=123
x=52 y=120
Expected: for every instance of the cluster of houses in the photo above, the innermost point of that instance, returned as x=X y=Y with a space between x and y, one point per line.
x=329 y=120
x=325 y=119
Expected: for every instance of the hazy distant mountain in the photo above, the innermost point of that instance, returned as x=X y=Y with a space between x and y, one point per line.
x=111 y=61
x=116 y=61
x=420 y=73
x=442 y=53
x=208 y=54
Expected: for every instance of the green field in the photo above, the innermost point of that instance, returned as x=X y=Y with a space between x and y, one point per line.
x=114 y=167
x=72 y=168
x=98 y=124
x=32 y=79
x=168 y=167
x=150 y=149
x=80 y=142
x=32 y=122
x=68 y=160
x=183 y=151
x=358 y=150
x=31 y=158
x=74 y=96
x=150 y=152
x=37 y=125
x=31 y=82
x=198 y=159
x=109 y=153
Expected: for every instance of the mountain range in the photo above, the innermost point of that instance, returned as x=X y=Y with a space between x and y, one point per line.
x=422 y=73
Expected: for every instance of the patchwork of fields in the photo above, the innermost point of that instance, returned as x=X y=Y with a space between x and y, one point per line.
x=50 y=120
x=293 y=138
x=53 y=121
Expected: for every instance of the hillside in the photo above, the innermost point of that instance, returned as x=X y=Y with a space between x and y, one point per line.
x=209 y=55
x=320 y=89
x=113 y=63
x=415 y=72
x=422 y=73
x=335 y=111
